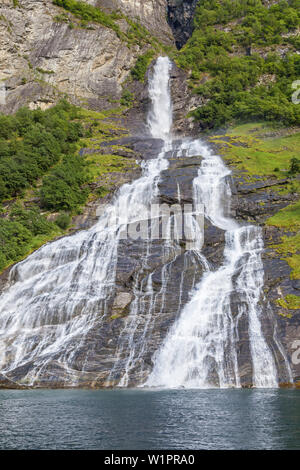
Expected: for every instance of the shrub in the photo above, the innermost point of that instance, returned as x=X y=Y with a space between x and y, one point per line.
x=63 y=220
x=62 y=189
x=32 y=220
x=294 y=166
x=32 y=142
x=127 y=98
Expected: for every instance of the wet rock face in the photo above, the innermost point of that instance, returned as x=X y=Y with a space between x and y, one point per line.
x=181 y=16
x=43 y=58
x=133 y=319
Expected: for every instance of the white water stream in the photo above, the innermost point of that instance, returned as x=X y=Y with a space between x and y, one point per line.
x=204 y=338
x=62 y=289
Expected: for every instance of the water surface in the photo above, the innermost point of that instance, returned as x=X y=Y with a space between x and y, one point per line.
x=143 y=419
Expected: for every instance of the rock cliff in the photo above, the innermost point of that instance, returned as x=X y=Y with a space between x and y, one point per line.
x=151 y=14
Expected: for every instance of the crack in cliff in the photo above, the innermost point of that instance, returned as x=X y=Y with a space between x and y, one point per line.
x=181 y=19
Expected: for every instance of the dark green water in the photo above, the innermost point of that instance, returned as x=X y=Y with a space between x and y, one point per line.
x=138 y=419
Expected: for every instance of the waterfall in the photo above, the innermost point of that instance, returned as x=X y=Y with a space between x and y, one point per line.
x=159 y=123
x=200 y=349
x=160 y=115
x=58 y=301
x=60 y=293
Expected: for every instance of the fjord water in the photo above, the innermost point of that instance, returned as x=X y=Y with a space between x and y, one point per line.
x=166 y=419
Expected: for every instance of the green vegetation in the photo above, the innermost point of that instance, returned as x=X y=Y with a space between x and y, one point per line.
x=63 y=220
x=127 y=98
x=139 y=70
x=260 y=150
x=289 y=248
x=87 y=12
x=102 y=164
x=22 y=232
x=31 y=142
x=44 y=72
x=63 y=188
x=295 y=166
x=229 y=71
x=287 y=218
x=63 y=18
x=249 y=148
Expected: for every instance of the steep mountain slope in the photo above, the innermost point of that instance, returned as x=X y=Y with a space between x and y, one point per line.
x=49 y=49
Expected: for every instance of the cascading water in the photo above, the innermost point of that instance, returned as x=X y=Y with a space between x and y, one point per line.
x=60 y=293
x=201 y=348
x=159 y=123
x=57 y=304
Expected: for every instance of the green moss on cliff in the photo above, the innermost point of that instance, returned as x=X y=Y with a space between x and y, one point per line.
x=100 y=164
x=260 y=149
x=87 y=12
x=135 y=34
x=289 y=249
x=263 y=151
x=287 y=218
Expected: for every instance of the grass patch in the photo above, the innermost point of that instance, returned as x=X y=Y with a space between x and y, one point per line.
x=99 y=164
x=289 y=248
